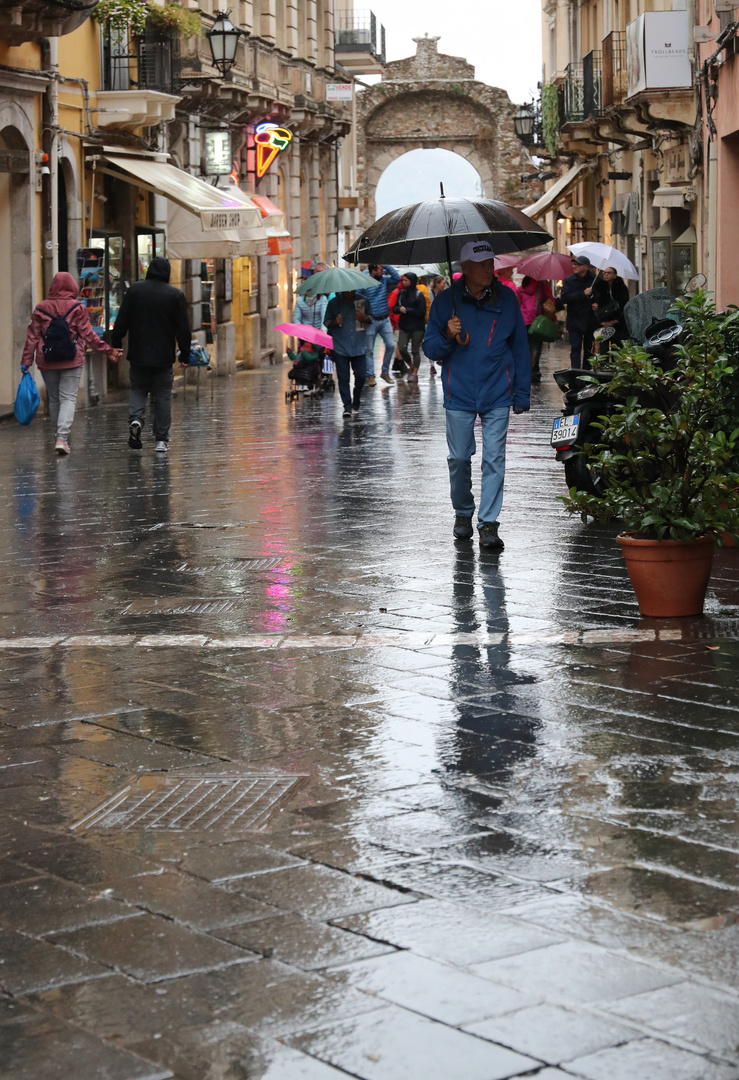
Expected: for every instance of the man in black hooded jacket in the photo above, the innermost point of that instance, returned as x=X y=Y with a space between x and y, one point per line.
x=154 y=315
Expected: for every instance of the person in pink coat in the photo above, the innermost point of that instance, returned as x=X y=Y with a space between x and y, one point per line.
x=535 y=298
x=62 y=379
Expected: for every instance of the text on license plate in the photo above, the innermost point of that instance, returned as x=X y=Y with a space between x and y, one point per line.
x=564 y=430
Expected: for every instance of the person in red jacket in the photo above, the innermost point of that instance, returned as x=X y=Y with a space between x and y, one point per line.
x=62 y=378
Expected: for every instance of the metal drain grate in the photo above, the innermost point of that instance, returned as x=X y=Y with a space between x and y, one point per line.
x=264 y=563
x=171 y=526
x=175 y=802
x=182 y=606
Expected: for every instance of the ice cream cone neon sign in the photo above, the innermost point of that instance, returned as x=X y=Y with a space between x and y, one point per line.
x=269 y=139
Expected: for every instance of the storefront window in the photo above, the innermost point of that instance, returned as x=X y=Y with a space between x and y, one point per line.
x=150 y=244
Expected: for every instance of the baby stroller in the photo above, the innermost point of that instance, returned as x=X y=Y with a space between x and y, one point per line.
x=328 y=383
x=305 y=374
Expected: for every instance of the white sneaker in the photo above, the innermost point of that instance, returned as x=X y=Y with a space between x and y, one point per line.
x=61 y=447
x=161 y=447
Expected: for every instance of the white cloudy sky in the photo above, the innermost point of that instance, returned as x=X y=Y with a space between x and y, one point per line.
x=502 y=38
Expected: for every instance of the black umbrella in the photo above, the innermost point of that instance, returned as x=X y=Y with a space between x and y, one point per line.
x=419 y=233
x=438 y=229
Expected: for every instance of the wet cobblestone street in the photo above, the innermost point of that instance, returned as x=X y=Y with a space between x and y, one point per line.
x=293 y=788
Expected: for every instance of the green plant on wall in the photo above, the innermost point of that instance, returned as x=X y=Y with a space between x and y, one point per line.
x=123 y=16
x=176 y=18
x=550 y=117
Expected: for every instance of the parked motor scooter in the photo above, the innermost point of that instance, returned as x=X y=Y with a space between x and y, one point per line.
x=584 y=403
x=650 y=318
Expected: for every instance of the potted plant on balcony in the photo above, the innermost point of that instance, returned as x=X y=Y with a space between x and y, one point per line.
x=122 y=16
x=175 y=19
x=668 y=456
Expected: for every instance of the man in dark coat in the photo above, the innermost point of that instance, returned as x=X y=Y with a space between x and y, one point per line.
x=580 y=321
x=154 y=315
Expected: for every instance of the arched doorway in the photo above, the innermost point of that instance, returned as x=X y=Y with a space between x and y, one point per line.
x=416 y=175
x=15 y=256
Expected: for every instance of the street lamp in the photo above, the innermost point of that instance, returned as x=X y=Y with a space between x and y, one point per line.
x=223 y=37
x=523 y=123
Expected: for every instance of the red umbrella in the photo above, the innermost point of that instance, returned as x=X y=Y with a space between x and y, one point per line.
x=546 y=266
x=307 y=333
x=502 y=261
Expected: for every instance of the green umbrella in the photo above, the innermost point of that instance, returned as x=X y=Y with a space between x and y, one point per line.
x=335 y=280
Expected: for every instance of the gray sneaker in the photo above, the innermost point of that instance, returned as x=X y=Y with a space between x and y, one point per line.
x=489 y=539
x=161 y=447
x=463 y=528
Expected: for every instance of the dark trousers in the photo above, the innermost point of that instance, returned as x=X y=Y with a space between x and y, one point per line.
x=414 y=339
x=581 y=342
x=345 y=364
x=156 y=381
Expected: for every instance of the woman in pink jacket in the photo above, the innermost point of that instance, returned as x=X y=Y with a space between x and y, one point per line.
x=62 y=378
x=535 y=298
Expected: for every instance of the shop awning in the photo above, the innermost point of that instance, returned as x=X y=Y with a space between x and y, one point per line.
x=557 y=191
x=666 y=197
x=186 y=239
x=217 y=209
x=280 y=241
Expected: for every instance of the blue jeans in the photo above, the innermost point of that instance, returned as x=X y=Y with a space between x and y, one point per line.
x=343 y=365
x=460 y=437
x=384 y=328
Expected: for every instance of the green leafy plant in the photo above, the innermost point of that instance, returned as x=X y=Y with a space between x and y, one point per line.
x=122 y=16
x=668 y=454
x=550 y=117
x=132 y=16
x=176 y=18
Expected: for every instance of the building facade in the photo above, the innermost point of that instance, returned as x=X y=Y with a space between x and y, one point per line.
x=619 y=119
x=119 y=142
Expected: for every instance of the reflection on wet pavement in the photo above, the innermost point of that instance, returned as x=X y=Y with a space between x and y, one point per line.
x=511 y=847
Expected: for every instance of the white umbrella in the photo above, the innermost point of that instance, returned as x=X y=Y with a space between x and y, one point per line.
x=603 y=255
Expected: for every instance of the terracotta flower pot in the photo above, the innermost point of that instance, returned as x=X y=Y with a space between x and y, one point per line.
x=670 y=577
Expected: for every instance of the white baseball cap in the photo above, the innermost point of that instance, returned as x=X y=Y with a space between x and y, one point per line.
x=476 y=251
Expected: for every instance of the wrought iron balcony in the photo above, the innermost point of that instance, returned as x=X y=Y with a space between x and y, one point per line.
x=24 y=20
x=583 y=85
x=614 y=69
x=149 y=62
x=140 y=80
x=360 y=41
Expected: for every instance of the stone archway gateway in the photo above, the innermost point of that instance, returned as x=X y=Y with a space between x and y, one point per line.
x=431 y=100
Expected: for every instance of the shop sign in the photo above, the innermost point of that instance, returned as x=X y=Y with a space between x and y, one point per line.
x=218 y=157
x=269 y=140
x=657 y=54
x=339 y=91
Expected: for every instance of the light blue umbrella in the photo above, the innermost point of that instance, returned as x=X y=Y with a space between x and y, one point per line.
x=335 y=280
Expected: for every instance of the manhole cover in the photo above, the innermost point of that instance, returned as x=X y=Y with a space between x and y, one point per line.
x=182 y=606
x=263 y=563
x=175 y=802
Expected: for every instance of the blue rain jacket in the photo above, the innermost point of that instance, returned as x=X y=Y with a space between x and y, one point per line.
x=494 y=370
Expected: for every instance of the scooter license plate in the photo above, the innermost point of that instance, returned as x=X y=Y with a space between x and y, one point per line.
x=564 y=430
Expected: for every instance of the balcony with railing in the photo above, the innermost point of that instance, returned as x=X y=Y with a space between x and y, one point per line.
x=573 y=95
x=360 y=42
x=614 y=69
x=139 y=79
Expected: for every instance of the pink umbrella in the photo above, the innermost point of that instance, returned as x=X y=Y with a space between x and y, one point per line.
x=506 y=260
x=307 y=333
x=546 y=266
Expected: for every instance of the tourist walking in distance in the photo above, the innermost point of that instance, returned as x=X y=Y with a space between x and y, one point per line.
x=154 y=315
x=535 y=298
x=346 y=322
x=438 y=284
x=411 y=307
x=609 y=296
x=485 y=377
x=386 y=278
x=576 y=297
x=58 y=333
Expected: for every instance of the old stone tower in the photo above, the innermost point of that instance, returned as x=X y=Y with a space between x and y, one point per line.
x=431 y=100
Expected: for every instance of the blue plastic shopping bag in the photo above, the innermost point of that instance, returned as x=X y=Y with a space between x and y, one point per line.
x=27 y=400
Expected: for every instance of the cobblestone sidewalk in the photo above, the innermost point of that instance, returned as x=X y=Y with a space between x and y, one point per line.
x=294 y=789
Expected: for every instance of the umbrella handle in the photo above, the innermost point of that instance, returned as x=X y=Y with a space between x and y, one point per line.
x=462 y=339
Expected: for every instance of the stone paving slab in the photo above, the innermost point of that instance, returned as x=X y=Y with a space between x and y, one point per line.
x=518 y=811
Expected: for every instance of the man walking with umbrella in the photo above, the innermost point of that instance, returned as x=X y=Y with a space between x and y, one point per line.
x=486 y=371
x=575 y=296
